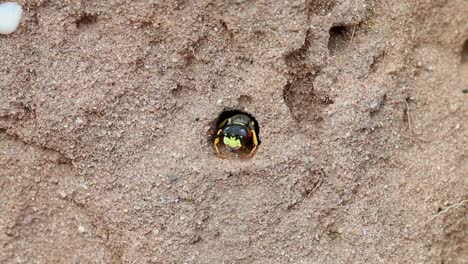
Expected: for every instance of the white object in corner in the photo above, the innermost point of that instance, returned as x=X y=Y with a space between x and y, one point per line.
x=10 y=16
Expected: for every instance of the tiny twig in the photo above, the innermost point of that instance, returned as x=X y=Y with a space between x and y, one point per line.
x=408 y=113
x=352 y=34
x=203 y=30
x=448 y=208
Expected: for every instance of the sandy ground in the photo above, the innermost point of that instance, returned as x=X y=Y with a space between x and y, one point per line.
x=105 y=115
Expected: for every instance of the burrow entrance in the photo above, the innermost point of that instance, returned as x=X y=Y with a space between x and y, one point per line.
x=217 y=124
x=464 y=67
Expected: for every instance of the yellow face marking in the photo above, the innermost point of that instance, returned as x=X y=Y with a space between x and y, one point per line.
x=232 y=142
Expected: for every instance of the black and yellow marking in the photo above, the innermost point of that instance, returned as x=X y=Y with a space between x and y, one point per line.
x=238 y=133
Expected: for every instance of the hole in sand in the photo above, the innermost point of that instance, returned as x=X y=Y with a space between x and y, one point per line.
x=306 y=104
x=240 y=120
x=86 y=19
x=339 y=37
x=464 y=67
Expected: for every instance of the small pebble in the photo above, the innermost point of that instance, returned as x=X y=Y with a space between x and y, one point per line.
x=28 y=219
x=10 y=16
x=81 y=229
x=62 y=194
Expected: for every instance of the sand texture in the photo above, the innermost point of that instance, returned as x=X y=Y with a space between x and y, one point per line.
x=106 y=113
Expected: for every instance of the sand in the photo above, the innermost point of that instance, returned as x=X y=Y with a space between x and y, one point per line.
x=106 y=112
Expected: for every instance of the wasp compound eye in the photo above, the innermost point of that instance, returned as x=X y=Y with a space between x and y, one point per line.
x=236 y=132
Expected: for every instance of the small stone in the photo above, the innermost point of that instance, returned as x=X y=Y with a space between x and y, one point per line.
x=81 y=229
x=28 y=220
x=10 y=17
x=79 y=121
x=63 y=194
x=173 y=178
